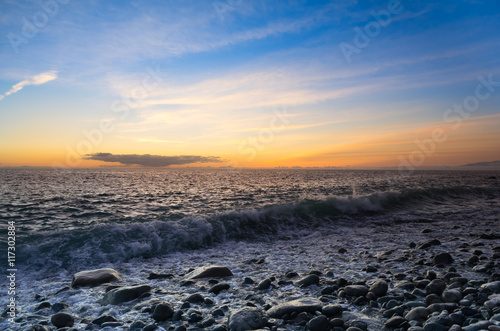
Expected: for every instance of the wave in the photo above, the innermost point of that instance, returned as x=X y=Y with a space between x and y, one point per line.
x=142 y=238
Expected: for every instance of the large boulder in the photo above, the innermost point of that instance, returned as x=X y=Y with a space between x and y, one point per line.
x=211 y=271
x=124 y=294
x=95 y=277
x=298 y=306
x=248 y=318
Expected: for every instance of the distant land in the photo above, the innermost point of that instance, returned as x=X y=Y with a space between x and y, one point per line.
x=483 y=164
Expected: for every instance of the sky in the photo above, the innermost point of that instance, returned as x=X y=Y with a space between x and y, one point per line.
x=249 y=83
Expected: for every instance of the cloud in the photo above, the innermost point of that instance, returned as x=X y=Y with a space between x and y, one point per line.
x=147 y=160
x=35 y=80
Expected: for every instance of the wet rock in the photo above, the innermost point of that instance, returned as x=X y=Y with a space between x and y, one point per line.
x=394 y=322
x=309 y=305
x=39 y=327
x=442 y=258
x=61 y=320
x=429 y=243
x=265 y=284
x=379 y=287
x=248 y=318
x=331 y=310
x=43 y=305
x=473 y=260
x=211 y=271
x=58 y=306
x=439 y=307
x=437 y=286
x=318 y=323
x=356 y=290
x=216 y=289
x=417 y=313
x=308 y=280
x=137 y=325
x=162 y=312
x=95 y=277
x=455 y=327
x=483 y=325
x=451 y=296
x=104 y=319
x=492 y=286
x=154 y=275
x=195 y=298
x=124 y=294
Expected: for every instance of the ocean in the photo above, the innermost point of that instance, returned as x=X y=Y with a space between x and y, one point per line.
x=74 y=220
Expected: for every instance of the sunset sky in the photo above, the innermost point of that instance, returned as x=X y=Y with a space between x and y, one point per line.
x=249 y=83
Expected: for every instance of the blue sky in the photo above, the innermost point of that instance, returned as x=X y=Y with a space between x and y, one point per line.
x=225 y=67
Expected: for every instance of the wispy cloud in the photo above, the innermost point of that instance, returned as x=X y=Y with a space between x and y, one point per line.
x=35 y=80
x=147 y=160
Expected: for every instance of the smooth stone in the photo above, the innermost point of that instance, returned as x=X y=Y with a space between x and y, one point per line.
x=379 y=287
x=39 y=327
x=319 y=323
x=439 y=307
x=216 y=289
x=394 y=322
x=61 y=320
x=248 y=318
x=137 y=325
x=308 y=280
x=195 y=298
x=356 y=290
x=483 y=325
x=210 y=271
x=307 y=304
x=417 y=313
x=442 y=258
x=95 y=277
x=104 y=319
x=429 y=243
x=124 y=294
x=451 y=296
x=492 y=286
x=436 y=286
x=455 y=327
x=434 y=327
x=493 y=328
x=331 y=310
x=265 y=284
x=162 y=312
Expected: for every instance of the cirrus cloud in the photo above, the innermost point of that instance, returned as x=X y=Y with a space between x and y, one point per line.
x=39 y=79
x=147 y=160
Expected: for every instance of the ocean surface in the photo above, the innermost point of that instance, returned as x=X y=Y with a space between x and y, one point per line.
x=83 y=218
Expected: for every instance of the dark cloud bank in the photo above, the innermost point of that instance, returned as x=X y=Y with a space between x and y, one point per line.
x=147 y=160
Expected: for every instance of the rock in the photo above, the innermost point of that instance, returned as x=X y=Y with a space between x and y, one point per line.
x=308 y=280
x=124 y=294
x=483 y=325
x=318 y=323
x=492 y=286
x=380 y=287
x=331 y=310
x=137 y=325
x=209 y=271
x=434 y=327
x=394 y=322
x=451 y=296
x=39 y=327
x=455 y=327
x=61 y=320
x=417 y=313
x=154 y=275
x=95 y=277
x=43 y=305
x=162 y=312
x=104 y=319
x=216 y=289
x=356 y=290
x=437 y=286
x=307 y=304
x=195 y=298
x=265 y=284
x=439 y=307
x=248 y=318
x=442 y=258
x=58 y=306
x=429 y=243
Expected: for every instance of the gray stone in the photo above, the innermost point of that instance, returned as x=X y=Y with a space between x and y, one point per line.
x=356 y=290
x=61 y=320
x=451 y=296
x=265 y=284
x=162 y=312
x=95 y=277
x=439 y=307
x=394 y=322
x=483 y=325
x=331 y=310
x=417 y=313
x=319 y=323
x=248 y=318
x=124 y=294
x=308 y=280
x=380 y=287
x=209 y=271
x=307 y=304
x=195 y=298
x=437 y=286
x=216 y=289
x=442 y=258
x=492 y=286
